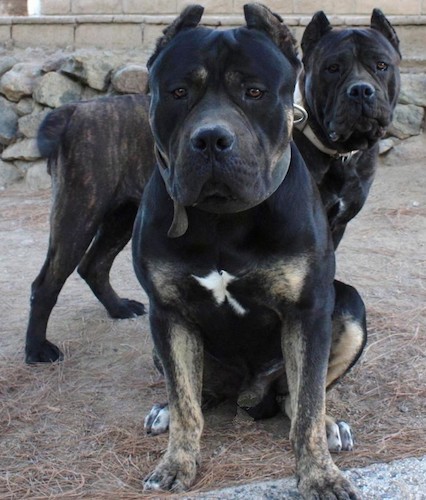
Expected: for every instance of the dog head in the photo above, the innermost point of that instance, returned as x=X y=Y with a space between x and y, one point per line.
x=351 y=80
x=222 y=110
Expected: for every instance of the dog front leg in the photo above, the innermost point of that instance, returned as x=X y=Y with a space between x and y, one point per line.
x=181 y=353
x=306 y=345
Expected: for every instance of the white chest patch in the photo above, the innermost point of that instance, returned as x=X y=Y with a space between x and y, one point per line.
x=217 y=282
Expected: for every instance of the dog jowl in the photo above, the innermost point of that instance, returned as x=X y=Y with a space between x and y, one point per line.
x=232 y=246
x=349 y=87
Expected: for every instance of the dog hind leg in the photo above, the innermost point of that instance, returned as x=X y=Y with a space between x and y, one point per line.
x=348 y=341
x=349 y=332
x=112 y=236
x=73 y=225
x=64 y=253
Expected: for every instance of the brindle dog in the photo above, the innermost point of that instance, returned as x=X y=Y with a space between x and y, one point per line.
x=100 y=158
x=232 y=246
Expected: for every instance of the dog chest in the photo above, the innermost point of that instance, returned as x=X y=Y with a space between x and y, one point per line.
x=236 y=293
x=217 y=283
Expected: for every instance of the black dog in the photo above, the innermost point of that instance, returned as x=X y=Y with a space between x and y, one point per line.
x=349 y=87
x=100 y=158
x=99 y=169
x=232 y=246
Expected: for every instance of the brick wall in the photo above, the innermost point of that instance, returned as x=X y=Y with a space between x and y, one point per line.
x=128 y=24
x=305 y=7
x=13 y=7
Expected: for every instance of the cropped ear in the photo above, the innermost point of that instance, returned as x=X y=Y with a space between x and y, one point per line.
x=380 y=23
x=316 y=29
x=188 y=18
x=259 y=17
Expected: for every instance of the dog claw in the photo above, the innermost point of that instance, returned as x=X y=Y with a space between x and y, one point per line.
x=176 y=473
x=44 y=353
x=158 y=419
x=339 y=436
x=346 y=435
x=127 y=308
x=325 y=487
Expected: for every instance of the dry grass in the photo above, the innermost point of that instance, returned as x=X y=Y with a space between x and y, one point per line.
x=58 y=443
x=75 y=429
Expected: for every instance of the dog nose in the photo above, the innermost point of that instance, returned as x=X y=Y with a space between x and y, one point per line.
x=216 y=139
x=361 y=91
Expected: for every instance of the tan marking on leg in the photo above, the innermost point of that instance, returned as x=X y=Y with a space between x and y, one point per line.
x=345 y=346
x=185 y=410
x=160 y=275
x=178 y=468
x=287 y=280
x=318 y=476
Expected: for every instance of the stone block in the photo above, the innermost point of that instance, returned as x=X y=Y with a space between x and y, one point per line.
x=151 y=32
x=413 y=89
x=96 y=7
x=20 y=80
x=91 y=70
x=37 y=176
x=26 y=149
x=411 y=43
x=43 y=35
x=130 y=79
x=8 y=121
x=7 y=63
x=405 y=8
x=55 y=7
x=275 y=5
x=55 y=89
x=28 y=125
x=9 y=174
x=25 y=106
x=5 y=33
x=210 y=6
x=110 y=36
x=309 y=7
x=407 y=121
x=13 y=8
x=149 y=7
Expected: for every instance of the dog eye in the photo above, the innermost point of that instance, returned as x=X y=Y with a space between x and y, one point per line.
x=254 y=93
x=333 y=68
x=179 y=93
x=382 y=66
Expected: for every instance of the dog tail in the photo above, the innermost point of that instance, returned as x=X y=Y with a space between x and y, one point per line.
x=52 y=129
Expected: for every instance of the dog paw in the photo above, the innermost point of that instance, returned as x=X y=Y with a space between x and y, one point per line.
x=176 y=473
x=339 y=436
x=324 y=486
x=46 y=352
x=346 y=435
x=126 y=308
x=158 y=419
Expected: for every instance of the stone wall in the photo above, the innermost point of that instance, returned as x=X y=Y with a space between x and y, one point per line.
x=117 y=24
x=66 y=7
x=83 y=49
x=34 y=81
x=13 y=8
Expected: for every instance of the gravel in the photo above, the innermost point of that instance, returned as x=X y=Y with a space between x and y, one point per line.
x=401 y=479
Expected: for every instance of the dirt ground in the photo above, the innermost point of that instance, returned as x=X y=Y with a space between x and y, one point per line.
x=75 y=429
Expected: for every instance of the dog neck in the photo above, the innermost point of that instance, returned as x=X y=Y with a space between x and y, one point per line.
x=304 y=127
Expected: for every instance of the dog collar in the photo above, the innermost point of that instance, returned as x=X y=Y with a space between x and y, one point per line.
x=310 y=134
x=304 y=127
